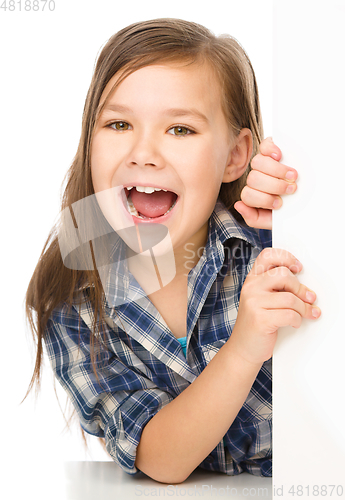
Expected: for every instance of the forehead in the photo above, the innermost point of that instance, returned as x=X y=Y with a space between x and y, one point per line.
x=178 y=83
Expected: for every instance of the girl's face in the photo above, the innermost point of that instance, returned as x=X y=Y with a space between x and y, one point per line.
x=163 y=127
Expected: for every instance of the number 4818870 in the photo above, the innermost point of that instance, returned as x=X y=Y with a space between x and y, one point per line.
x=27 y=5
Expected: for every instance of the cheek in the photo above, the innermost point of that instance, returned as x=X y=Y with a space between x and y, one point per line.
x=201 y=151
x=96 y=166
x=212 y=160
x=102 y=163
x=98 y=152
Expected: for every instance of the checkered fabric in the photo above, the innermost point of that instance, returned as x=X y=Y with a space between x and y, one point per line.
x=141 y=366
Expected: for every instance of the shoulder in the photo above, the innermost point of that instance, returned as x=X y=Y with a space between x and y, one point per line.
x=73 y=316
x=66 y=314
x=69 y=332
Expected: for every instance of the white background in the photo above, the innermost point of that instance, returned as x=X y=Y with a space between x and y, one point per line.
x=47 y=59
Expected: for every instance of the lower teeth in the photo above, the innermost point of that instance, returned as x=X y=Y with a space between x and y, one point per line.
x=131 y=208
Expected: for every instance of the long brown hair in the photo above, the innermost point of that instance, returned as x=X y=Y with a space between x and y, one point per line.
x=138 y=45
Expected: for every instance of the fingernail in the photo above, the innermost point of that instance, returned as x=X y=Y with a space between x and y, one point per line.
x=275 y=156
x=296 y=267
x=315 y=312
x=290 y=175
x=290 y=189
x=276 y=203
x=299 y=264
x=310 y=296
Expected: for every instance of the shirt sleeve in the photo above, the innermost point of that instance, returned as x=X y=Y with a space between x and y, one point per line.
x=115 y=405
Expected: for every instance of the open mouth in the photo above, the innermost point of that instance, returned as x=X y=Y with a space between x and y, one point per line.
x=147 y=202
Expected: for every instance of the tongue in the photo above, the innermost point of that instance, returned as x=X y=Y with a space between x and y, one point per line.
x=154 y=204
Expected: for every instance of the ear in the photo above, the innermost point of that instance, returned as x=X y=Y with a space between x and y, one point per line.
x=239 y=156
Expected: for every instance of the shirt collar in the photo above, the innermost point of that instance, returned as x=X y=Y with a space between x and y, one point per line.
x=223 y=226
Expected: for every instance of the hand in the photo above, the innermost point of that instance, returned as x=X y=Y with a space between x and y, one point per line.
x=266 y=181
x=271 y=297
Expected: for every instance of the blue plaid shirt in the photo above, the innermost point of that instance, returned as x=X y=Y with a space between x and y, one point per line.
x=143 y=367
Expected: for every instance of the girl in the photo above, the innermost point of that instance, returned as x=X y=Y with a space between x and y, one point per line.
x=178 y=376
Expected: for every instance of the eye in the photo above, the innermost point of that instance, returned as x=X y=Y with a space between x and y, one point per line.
x=180 y=131
x=120 y=126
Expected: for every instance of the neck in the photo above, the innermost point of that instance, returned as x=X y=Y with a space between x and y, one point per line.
x=188 y=255
x=159 y=269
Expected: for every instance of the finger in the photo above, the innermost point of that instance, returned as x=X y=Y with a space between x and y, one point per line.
x=272 y=167
x=268 y=184
x=255 y=217
x=271 y=258
x=285 y=317
x=268 y=148
x=257 y=199
x=286 y=300
x=290 y=293
x=283 y=281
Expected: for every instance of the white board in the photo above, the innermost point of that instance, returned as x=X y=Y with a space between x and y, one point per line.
x=308 y=125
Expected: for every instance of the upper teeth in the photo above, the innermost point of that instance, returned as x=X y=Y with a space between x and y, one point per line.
x=146 y=189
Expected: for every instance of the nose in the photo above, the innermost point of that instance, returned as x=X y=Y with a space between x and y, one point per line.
x=145 y=151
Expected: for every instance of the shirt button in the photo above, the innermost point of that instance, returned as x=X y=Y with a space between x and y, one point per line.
x=209 y=459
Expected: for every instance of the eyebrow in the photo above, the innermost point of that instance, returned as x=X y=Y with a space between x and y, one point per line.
x=194 y=113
